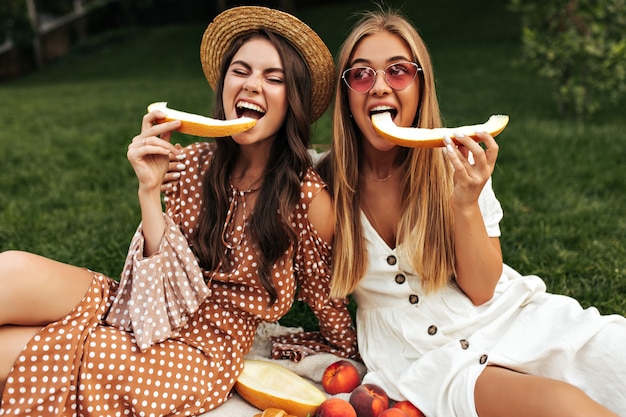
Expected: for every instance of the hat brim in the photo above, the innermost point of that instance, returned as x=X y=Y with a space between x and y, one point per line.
x=235 y=22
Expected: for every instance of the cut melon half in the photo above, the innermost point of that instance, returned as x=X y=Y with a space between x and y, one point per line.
x=416 y=137
x=269 y=385
x=194 y=124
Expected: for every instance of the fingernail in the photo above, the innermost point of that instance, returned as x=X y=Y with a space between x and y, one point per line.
x=447 y=140
x=180 y=166
x=175 y=175
x=181 y=156
x=450 y=148
x=458 y=134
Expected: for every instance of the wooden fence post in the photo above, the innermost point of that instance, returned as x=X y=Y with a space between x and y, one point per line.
x=34 y=21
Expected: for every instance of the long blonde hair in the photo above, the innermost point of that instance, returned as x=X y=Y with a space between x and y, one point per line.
x=426 y=226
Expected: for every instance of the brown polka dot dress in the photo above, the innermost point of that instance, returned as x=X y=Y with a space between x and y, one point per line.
x=169 y=338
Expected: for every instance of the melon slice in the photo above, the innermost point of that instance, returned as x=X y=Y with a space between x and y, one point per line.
x=415 y=137
x=269 y=385
x=194 y=124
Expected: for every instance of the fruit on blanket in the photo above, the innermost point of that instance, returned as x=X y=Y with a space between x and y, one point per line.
x=409 y=409
x=393 y=412
x=414 y=137
x=369 y=400
x=273 y=412
x=340 y=376
x=336 y=407
x=194 y=124
x=269 y=385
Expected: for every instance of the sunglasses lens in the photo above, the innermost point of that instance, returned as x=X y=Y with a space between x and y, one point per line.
x=360 y=79
x=401 y=74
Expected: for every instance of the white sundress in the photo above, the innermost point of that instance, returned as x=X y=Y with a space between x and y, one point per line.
x=430 y=349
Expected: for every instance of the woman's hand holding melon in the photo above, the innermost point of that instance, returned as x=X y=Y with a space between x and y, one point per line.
x=471 y=173
x=150 y=152
x=191 y=124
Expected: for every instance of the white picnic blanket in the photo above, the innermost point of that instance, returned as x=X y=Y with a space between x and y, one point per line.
x=311 y=367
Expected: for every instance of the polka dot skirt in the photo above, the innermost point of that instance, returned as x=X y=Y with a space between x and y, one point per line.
x=189 y=351
x=79 y=366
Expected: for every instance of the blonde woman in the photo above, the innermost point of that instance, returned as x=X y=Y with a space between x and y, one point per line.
x=441 y=321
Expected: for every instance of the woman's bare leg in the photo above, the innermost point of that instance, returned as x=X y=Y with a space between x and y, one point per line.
x=35 y=291
x=502 y=392
x=13 y=339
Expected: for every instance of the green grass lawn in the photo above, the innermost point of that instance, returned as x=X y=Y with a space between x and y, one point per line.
x=68 y=192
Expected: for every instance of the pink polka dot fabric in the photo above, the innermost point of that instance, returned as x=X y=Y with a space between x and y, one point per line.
x=168 y=340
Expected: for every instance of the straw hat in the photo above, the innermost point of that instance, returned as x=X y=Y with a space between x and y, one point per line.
x=234 y=22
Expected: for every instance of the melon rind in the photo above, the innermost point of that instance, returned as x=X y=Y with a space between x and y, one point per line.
x=268 y=385
x=196 y=125
x=414 y=137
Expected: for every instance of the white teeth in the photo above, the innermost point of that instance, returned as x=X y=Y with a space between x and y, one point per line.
x=250 y=106
x=382 y=108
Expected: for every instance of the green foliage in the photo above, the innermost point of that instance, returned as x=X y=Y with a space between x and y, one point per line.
x=14 y=23
x=579 y=46
x=56 y=6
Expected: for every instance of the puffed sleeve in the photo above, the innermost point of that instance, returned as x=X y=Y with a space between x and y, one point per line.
x=336 y=333
x=330 y=339
x=312 y=268
x=334 y=319
x=490 y=209
x=158 y=294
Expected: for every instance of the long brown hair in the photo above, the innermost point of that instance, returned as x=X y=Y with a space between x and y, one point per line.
x=426 y=226
x=272 y=234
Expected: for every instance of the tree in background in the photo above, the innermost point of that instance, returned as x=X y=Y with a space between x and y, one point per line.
x=14 y=23
x=20 y=22
x=580 y=47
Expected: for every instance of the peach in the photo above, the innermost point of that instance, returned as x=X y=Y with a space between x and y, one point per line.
x=393 y=412
x=369 y=400
x=409 y=409
x=335 y=407
x=340 y=377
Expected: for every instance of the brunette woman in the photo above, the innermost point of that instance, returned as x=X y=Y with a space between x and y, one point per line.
x=248 y=222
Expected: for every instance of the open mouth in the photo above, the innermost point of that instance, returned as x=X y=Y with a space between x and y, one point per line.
x=384 y=109
x=247 y=109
